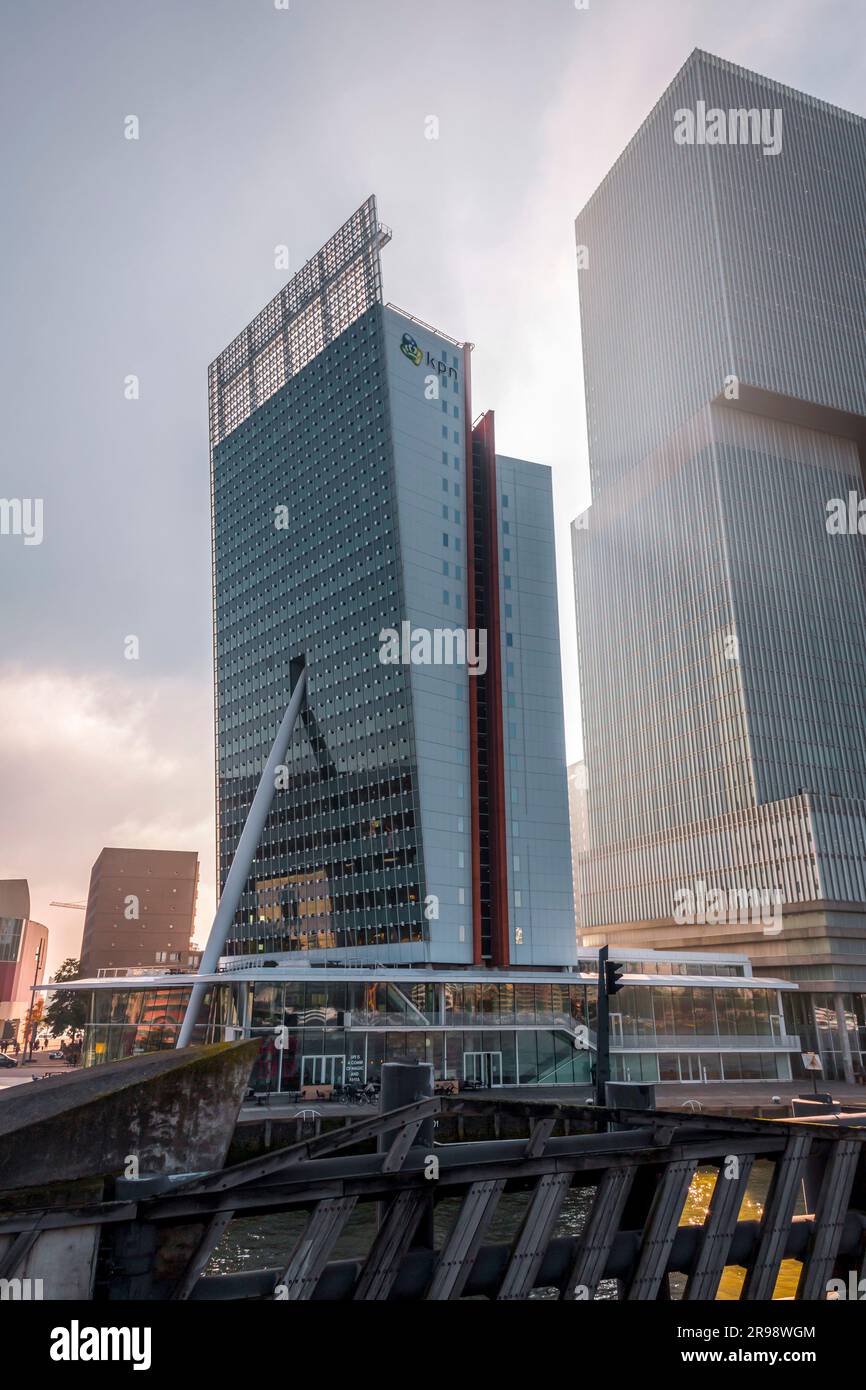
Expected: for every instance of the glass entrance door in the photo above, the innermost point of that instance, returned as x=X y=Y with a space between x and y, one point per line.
x=484 y=1068
x=692 y=1067
x=317 y=1070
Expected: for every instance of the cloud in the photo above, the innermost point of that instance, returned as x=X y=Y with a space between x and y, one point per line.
x=89 y=761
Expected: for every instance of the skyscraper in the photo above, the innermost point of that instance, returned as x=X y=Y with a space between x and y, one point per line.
x=578 y=818
x=23 y=948
x=721 y=606
x=140 y=911
x=361 y=524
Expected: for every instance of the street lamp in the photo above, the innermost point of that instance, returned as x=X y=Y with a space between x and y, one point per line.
x=33 y=1025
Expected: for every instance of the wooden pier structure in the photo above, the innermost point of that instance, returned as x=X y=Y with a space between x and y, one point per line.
x=157 y=1235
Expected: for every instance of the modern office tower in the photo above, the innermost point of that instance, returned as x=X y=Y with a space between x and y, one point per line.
x=140 y=912
x=362 y=525
x=23 y=948
x=578 y=815
x=721 y=599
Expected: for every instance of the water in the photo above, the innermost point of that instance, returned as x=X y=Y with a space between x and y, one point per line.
x=266 y=1241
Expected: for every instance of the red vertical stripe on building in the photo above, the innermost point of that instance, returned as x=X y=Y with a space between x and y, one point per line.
x=473 y=689
x=495 y=733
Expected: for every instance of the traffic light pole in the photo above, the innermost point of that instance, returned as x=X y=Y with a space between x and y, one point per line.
x=602 y=1056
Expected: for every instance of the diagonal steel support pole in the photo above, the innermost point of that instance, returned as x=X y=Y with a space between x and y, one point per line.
x=244 y=855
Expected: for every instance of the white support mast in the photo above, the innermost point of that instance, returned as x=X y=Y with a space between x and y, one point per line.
x=244 y=855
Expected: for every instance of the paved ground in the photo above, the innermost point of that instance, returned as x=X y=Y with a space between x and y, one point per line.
x=27 y=1070
x=712 y=1098
x=738 y=1093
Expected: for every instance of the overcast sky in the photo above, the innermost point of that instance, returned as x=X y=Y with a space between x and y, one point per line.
x=260 y=127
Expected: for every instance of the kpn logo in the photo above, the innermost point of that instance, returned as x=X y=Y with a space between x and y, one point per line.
x=410 y=349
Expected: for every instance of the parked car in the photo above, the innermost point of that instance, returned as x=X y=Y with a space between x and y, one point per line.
x=56 y=1056
x=7 y=1061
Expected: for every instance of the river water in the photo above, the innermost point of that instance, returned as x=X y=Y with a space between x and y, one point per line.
x=267 y=1241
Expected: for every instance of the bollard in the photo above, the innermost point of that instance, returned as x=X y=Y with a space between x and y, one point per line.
x=629 y=1095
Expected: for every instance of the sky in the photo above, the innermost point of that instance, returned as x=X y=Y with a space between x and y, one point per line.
x=260 y=127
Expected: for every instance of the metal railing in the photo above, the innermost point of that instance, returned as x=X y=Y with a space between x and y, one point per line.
x=637 y=1180
x=691 y=1042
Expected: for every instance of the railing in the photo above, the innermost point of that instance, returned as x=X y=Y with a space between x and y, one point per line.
x=413 y=318
x=691 y=1042
x=636 y=1177
x=123 y=972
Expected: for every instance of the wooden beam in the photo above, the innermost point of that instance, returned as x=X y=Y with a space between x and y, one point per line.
x=390 y=1246
x=660 y=1229
x=313 y=1249
x=718 y=1231
x=761 y=1276
x=530 y=1247
x=210 y=1237
x=831 y=1209
x=598 y=1235
x=458 y=1256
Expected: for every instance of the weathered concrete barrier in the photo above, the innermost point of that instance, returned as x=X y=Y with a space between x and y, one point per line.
x=65 y=1139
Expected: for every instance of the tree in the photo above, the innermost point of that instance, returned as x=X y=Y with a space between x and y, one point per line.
x=67 y=1012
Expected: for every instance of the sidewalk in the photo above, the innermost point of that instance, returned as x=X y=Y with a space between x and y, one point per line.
x=713 y=1098
x=25 y=1071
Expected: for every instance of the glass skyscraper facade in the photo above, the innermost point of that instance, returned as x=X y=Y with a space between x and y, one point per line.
x=721 y=620
x=421 y=816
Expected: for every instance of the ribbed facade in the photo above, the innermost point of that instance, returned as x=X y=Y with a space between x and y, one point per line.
x=707 y=260
x=721 y=624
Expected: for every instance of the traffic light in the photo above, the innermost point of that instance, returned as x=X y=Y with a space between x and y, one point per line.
x=612 y=973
